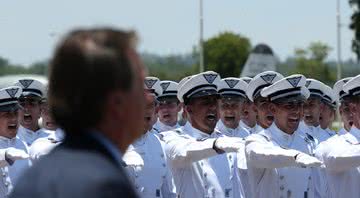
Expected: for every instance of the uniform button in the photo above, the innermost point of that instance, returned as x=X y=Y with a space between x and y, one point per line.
x=136 y=176
x=137 y=187
x=282 y=188
x=202 y=163
x=232 y=166
x=205 y=174
x=164 y=165
x=206 y=186
x=310 y=178
x=281 y=177
x=163 y=177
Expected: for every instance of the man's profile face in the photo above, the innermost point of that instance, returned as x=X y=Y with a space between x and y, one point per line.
x=312 y=108
x=327 y=116
x=287 y=116
x=30 y=114
x=9 y=123
x=346 y=116
x=48 y=122
x=203 y=113
x=248 y=115
x=230 y=109
x=150 y=115
x=264 y=115
x=168 y=110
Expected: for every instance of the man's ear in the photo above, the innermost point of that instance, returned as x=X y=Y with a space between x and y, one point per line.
x=272 y=108
x=188 y=109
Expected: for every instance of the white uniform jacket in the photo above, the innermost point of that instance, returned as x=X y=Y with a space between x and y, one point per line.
x=272 y=170
x=154 y=178
x=28 y=136
x=199 y=171
x=161 y=127
x=341 y=156
x=10 y=173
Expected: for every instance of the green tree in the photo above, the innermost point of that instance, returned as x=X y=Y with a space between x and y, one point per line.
x=355 y=26
x=311 y=62
x=226 y=53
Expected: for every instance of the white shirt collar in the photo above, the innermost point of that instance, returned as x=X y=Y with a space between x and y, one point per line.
x=280 y=137
x=196 y=133
x=163 y=127
x=226 y=130
x=355 y=132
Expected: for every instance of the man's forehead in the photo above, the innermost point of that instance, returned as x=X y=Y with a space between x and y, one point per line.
x=232 y=100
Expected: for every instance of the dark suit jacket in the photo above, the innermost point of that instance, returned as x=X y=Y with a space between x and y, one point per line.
x=80 y=167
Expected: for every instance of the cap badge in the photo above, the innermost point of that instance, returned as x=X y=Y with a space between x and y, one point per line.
x=26 y=83
x=294 y=81
x=210 y=77
x=165 y=85
x=150 y=83
x=268 y=78
x=12 y=92
x=231 y=82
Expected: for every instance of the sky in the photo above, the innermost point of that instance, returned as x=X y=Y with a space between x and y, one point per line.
x=30 y=29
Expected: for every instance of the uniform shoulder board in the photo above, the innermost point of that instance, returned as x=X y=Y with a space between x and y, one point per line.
x=161 y=136
x=178 y=131
x=310 y=137
x=352 y=142
x=156 y=130
x=202 y=139
x=264 y=136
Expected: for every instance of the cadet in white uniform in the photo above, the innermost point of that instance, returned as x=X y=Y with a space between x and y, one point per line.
x=145 y=158
x=248 y=115
x=30 y=100
x=341 y=154
x=327 y=114
x=43 y=146
x=310 y=125
x=278 y=157
x=201 y=168
x=346 y=116
x=168 y=107
x=232 y=97
x=13 y=153
x=260 y=81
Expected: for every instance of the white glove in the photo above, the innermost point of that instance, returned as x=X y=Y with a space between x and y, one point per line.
x=133 y=160
x=15 y=154
x=304 y=160
x=230 y=144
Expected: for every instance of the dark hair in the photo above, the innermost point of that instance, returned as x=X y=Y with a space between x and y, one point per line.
x=87 y=65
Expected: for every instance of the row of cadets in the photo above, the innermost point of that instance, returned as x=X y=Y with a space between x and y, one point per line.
x=145 y=159
x=341 y=153
x=203 y=160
